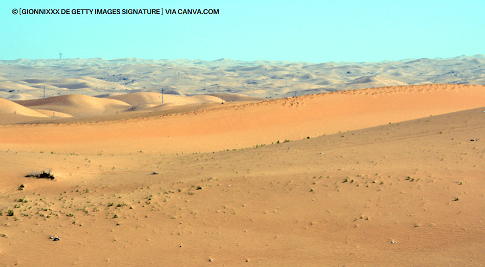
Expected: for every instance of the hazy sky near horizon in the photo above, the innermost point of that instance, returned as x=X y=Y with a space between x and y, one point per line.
x=313 y=31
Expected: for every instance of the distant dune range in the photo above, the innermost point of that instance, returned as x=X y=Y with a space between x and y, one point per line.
x=233 y=126
x=25 y=79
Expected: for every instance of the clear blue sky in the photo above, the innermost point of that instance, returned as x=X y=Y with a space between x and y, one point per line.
x=314 y=31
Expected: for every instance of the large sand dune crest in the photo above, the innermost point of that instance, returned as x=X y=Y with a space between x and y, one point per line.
x=256 y=123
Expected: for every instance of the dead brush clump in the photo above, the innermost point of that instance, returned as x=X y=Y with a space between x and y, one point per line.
x=44 y=174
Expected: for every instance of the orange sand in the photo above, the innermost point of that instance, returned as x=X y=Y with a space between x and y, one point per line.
x=409 y=193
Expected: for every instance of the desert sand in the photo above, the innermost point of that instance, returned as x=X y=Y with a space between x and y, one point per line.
x=385 y=176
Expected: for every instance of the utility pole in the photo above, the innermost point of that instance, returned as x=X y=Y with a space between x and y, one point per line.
x=162 y=95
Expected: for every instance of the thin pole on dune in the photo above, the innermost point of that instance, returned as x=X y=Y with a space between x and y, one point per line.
x=44 y=91
x=162 y=95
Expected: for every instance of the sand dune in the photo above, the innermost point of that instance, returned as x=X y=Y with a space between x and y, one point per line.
x=13 y=97
x=372 y=81
x=73 y=83
x=9 y=86
x=81 y=106
x=205 y=99
x=54 y=114
x=237 y=97
x=13 y=113
x=140 y=98
x=309 y=76
x=77 y=105
x=250 y=124
x=143 y=98
x=8 y=107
